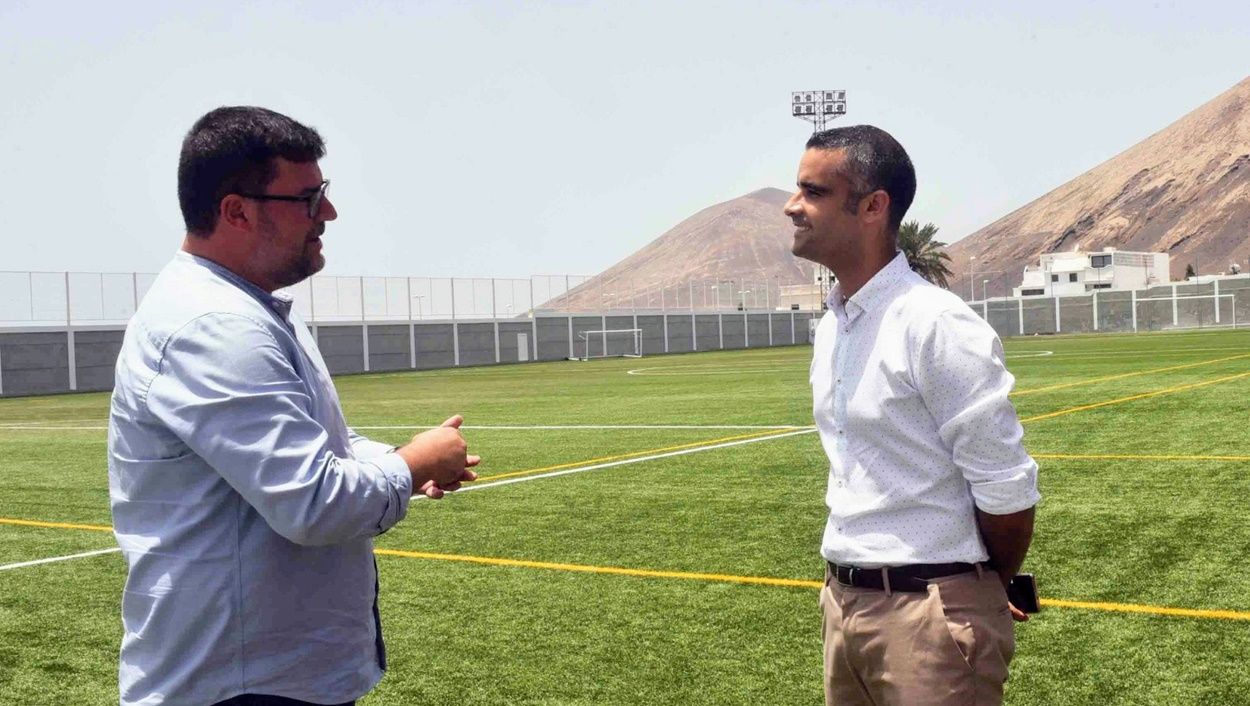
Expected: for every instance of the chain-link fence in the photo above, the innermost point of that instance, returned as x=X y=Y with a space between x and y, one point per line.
x=1222 y=303
x=38 y=299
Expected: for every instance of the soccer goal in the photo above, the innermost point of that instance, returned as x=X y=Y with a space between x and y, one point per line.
x=607 y=343
x=1193 y=311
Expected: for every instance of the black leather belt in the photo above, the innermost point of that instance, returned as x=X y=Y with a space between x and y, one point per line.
x=913 y=578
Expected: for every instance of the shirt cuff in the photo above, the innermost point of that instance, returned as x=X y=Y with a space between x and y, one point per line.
x=1004 y=497
x=397 y=481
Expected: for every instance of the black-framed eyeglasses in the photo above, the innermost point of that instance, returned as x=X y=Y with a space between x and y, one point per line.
x=313 y=200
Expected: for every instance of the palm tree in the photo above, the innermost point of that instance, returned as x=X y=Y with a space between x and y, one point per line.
x=924 y=254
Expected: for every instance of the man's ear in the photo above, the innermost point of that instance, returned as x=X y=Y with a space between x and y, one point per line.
x=875 y=208
x=233 y=211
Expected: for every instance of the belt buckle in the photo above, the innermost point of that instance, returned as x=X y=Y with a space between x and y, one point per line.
x=850 y=575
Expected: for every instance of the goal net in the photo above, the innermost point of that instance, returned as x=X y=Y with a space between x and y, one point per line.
x=606 y=343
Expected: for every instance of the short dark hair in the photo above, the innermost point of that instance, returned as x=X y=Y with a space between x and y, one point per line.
x=232 y=150
x=874 y=160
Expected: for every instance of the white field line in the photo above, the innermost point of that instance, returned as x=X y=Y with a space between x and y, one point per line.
x=598 y=466
x=19 y=565
x=681 y=370
x=1030 y=354
x=42 y=426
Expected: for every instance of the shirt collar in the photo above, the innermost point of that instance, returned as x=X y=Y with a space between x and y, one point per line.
x=874 y=290
x=279 y=302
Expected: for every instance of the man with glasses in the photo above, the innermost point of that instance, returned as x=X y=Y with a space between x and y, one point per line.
x=243 y=502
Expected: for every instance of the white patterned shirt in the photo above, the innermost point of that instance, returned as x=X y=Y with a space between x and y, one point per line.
x=910 y=399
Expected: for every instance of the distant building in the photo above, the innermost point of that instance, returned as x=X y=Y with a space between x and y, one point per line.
x=1064 y=274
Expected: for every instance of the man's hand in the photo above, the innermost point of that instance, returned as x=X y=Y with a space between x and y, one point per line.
x=438 y=459
x=1007 y=539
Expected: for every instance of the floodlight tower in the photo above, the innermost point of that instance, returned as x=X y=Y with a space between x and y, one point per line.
x=818 y=108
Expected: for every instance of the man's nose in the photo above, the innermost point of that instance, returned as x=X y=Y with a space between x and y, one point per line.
x=792 y=206
x=327 y=212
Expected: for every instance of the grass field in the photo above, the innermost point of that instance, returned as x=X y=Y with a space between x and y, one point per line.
x=691 y=578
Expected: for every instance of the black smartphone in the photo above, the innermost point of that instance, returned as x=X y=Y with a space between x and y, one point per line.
x=1022 y=592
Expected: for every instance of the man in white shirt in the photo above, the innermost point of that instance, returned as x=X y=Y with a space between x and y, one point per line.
x=931 y=492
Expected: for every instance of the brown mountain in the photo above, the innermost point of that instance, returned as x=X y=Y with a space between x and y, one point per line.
x=1184 y=190
x=746 y=239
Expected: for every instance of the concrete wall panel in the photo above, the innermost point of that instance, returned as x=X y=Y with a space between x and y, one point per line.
x=477 y=344
x=679 y=340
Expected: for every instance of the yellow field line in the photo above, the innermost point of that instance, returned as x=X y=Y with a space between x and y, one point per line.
x=1130 y=398
x=589 y=569
x=1149 y=609
x=1138 y=457
x=1127 y=375
x=790 y=583
x=633 y=454
x=54 y=525
x=694 y=576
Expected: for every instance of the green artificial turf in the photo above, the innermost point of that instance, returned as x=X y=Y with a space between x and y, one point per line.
x=1168 y=533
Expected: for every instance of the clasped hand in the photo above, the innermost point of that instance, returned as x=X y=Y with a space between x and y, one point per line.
x=438 y=459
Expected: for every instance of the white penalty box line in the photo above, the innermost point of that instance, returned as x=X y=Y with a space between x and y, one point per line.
x=625 y=462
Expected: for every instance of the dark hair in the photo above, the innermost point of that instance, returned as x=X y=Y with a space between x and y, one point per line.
x=874 y=160
x=232 y=150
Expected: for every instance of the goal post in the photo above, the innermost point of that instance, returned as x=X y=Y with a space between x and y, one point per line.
x=610 y=343
x=1188 y=311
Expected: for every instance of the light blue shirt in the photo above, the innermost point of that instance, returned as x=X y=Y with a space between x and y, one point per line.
x=243 y=503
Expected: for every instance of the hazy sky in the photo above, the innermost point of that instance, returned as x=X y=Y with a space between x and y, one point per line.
x=508 y=139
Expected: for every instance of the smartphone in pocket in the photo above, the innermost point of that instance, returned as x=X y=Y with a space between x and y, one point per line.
x=1022 y=592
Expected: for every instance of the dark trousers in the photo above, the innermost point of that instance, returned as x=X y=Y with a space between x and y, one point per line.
x=266 y=700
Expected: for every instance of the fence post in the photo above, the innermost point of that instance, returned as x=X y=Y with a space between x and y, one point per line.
x=1057 y=325
x=1020 y=315
x=794 y=337
x=1175 y=312
x=412 y=327
x=69 y=338
x=664 y=315
x=494 y=317
x=1216 y=297
x=1134 y=301
x=364 y=326
x=533 y=322
x=1094 y=297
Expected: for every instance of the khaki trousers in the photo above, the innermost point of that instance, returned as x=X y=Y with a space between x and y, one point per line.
x=950 y=645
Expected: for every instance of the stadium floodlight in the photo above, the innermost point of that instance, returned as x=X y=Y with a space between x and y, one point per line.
x=619 y=342
x=818 y=107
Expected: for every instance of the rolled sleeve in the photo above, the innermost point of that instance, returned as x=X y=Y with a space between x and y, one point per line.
x=228 y=390
x=399 y=479
x=363 y=447
x=965 y=385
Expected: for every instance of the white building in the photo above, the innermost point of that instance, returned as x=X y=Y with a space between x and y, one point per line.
x=1064 y=274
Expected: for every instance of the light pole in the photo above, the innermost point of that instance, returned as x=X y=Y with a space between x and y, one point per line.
x=972 y=281
x=818 y=108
